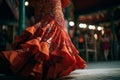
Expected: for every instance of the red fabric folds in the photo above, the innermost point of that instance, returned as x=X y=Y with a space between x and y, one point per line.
x=45 y=50
x=42 y=46
x=65 y=3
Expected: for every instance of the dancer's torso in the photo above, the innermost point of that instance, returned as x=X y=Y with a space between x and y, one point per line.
x=52 y=8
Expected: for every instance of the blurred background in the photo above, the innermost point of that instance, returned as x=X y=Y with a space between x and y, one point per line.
x=93 y=25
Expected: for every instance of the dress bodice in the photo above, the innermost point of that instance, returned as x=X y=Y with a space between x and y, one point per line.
x=52 y=8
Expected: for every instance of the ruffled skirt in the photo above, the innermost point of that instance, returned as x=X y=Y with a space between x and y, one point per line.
x=44 y=51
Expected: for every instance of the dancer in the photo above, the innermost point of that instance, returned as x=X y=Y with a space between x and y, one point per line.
x=44 y=50
x=105 y=43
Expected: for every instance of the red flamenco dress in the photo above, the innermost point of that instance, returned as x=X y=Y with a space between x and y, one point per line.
x=45 y=50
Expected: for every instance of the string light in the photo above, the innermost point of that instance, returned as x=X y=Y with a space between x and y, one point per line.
x=91 y=27
x=99 y=28
x=26 y=3
x=81 y=25
x=71 y=23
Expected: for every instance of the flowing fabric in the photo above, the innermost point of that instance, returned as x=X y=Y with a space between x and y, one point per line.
x=45 y=50
x=65 y=3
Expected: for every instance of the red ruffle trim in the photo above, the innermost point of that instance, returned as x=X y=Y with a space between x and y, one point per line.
x=65 y=3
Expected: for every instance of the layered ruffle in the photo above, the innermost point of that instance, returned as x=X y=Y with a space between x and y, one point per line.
x=44 y=51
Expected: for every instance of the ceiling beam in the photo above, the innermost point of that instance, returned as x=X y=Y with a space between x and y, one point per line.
x=88 y=6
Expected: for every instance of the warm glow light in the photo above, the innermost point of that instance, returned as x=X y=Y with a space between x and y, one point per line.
x=95 y=36
x=99 y=28
x=81 y=25
x=91 y=27
x=71 y=23
x=102 y=32
x=26 y=3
